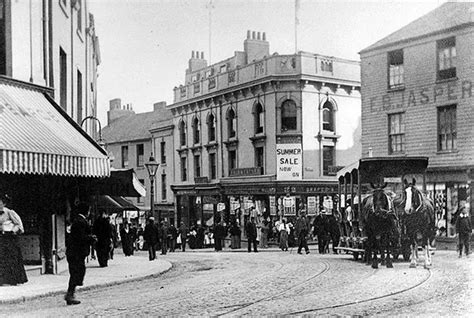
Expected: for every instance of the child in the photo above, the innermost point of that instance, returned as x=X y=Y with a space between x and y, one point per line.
x=463 y=228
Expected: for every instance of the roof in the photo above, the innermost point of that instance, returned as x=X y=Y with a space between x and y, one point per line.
x=445 y=17
x=135 y=126
x=373 y=169
x=38 y=137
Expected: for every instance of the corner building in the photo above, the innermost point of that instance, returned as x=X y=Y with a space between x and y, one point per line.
x=417 y=100
x=263 y=131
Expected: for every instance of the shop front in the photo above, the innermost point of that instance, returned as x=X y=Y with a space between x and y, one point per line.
x=47 y=165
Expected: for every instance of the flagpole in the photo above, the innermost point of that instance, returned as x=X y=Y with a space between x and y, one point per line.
x=297 y=8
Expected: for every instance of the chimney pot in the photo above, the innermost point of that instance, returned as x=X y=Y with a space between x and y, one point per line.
x=202 y=55
x=248 y=34
x=263 y=36
x=258 y=35
x=192 y=54
x=253 y=35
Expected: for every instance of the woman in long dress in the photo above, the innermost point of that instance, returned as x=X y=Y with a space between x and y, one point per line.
x=12 y=270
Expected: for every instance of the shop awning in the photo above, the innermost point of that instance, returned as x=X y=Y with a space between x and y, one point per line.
x=114 y=204
x=122 y=182
x=38 y=137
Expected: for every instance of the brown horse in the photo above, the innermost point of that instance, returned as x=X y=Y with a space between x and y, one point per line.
x=418 y=221
x=379 y=225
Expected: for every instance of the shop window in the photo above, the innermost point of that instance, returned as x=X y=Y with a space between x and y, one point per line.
x=163 y=187
x=197 y=166
x=396 y=137
x=447 y=128
x=288 y=116
x=182 y=133
x=446 y=49
x=328 y=116
x=231 y=123
x=184 y=169
x=259 y=119
x=328 y=159
x=196 y=131
x=211 y=128
x=140 y=155
x=395 y=69
x=212 y=166
x=124 y=156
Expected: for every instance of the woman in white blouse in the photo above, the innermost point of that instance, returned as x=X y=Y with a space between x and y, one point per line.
x=284 y=230
x=12 y=270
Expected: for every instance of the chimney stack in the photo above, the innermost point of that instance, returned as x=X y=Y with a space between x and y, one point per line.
x=256 y=47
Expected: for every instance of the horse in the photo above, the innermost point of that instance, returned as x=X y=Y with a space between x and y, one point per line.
x=418 y=221
x=380 y=225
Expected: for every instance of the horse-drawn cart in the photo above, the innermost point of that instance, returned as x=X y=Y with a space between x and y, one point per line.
x=356 y=182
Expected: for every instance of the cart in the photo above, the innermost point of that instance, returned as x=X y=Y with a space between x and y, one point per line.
x=354 y=186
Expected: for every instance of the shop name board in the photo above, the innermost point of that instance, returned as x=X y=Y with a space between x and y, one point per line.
x=254 y=171
x=450 y=91
x=18 y=110
x=289 y=162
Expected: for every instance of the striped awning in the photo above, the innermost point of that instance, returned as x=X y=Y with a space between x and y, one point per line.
x=38 y=137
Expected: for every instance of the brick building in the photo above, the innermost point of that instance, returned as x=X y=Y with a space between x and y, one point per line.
x=263 y=130
x=417 y=100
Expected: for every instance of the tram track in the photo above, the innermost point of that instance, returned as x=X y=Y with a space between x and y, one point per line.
x=367 y=300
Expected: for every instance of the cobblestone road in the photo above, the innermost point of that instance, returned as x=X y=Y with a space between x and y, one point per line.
x=277 y=283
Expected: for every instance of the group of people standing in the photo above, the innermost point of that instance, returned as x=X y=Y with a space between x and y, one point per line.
x=163 y=236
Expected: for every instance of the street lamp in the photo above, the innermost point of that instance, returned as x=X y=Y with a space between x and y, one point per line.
x=152 y=167
x=100 y=141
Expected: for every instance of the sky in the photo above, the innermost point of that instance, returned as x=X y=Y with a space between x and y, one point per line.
x=145 y=45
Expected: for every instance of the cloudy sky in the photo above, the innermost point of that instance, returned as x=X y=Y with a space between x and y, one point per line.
x=146 y=44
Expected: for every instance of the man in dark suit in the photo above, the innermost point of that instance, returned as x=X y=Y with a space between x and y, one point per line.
x=151 y=238
x=78 y=245
x=251 y=230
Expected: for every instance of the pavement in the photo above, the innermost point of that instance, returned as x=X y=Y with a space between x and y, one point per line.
x=120 y=269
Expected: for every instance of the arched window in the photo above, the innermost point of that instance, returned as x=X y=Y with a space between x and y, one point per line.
x=328 y=116
x=196 y=130
x=231 y=123
x=182 y=133
x=211 y=127
x=288 y=115
x=259 y=118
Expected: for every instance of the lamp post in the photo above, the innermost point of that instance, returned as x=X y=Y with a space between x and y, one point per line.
x=152 y=167
x=99 y=141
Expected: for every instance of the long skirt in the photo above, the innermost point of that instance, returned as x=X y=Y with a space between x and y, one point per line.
x=235 y=241
x=12 y=270
x=284 y=240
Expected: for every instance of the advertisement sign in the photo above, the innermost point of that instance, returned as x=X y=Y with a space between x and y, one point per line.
x=312 y=205
x=272 y=205
x=289 y=206
x=289 y=161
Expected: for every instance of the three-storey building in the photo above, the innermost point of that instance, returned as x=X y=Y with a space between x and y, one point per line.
x=263 y=132
x=417 y=100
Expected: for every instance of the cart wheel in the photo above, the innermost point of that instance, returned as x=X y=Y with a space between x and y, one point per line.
x=355 y=255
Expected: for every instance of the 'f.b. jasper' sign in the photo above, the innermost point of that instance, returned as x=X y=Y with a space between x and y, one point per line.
x=289 y=162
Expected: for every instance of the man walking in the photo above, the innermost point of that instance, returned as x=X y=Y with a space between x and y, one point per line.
x=463 y=229
x=183 y=231
x=77 y=248
x=150 y=235
x=302 y=230
x=251 y=230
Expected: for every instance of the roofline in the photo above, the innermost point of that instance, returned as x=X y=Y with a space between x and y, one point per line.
x=455 y=28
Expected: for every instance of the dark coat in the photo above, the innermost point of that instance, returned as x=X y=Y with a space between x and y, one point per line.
x=220 y=231
x=302 y=226
x=251 y=230
x=151 y=233
x=183 y=230
x=103 y=230
x=463 y=224
x=80 y=239
x=172 y=231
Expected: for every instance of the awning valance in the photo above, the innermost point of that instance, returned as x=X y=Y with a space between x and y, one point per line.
x=115 y=204
x=122 y=182
x=38 y=137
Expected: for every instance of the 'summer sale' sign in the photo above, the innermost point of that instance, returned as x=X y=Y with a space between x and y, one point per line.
x=289 y=162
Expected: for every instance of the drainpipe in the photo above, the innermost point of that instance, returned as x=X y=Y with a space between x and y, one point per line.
x=45 y=41
x=50 y=44
x=72 y=60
